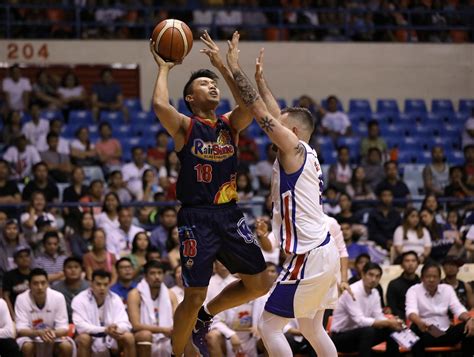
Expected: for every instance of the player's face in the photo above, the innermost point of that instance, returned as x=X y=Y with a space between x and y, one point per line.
x=72 y=271
x=371 y=279
x=410 y=264
x=154 y=277
x=100 y=287
x=38 y=286
x=204 y=91
x=431 y=279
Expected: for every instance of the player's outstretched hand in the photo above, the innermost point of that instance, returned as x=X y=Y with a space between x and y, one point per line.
x=212 y=50
x=160 y=61
x=233 y=52
x=259 y=65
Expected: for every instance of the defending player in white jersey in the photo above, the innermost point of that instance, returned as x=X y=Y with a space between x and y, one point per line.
x=307 y=285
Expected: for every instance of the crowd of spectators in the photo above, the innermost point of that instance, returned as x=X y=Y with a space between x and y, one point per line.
x=100 y=223
x=308 y=20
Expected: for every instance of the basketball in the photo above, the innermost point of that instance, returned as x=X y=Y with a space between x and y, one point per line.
x=173 y=39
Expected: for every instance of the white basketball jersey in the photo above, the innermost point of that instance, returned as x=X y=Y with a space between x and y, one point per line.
x=298 y=217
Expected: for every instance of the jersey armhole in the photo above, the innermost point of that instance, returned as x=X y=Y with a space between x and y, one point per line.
x=234 y=134
x=189 y=130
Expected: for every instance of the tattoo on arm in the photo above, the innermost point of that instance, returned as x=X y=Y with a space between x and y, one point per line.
x=247 y=92
x=300 y=149
x=267 y=124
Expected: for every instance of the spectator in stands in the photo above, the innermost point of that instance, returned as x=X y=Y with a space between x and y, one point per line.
x=108 y=218
x=374 y=172
x=244 y=186
x=152 y=331
x=361 y=260
x=15 y=281
x=468 y=132
x=72 y=94
x=340 y=173
x=36 y=127
x=353 y=248
x=133 y=171
x=73 y=193
x=59 y=164
x=463 y=291
x=99 y=257
x=178 y=289
x=358 y=325
x=9 y=193
x=173 y=247
x=12 y=128
x=10 y=239
x=17 y=90
x=159 y=236
x=83 y=152
x=21 y=157
x=346 y=213
x=45 y=92
x=120 y=239
x=168 y=175
x=263 y=169
x=8 y=345
x=469 y=164
x=150 y=186
x=81 y=239
x=117 y=185
x=41 y=183
x=95 y=194
x=228 y=19
x=55 y=127
x=102 y=332
x=335 y=122
x=411 y=235
x=397 y=288
x=427 y=306
x=331 y=206
x=359 y=189
x=431 y=202
x=373 y=140
x=41 y=316
x=108 y=149
x=73 y=282
x=383 y=220
x=140 y=247
x=436 y=174
x=156 y=156
x=393 y=183
x=203 y=17
x=442 y=244
x=125 y=275
x=253 y=21
x=35 y=210
x=107 y=95
x=248 y=149
x=51 y=260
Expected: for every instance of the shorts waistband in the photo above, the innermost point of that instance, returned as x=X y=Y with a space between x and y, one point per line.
x=326 y=241
x=227 y=205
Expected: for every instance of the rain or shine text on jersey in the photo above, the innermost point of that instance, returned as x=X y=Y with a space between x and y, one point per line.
x=208 y=164
x=298 y=217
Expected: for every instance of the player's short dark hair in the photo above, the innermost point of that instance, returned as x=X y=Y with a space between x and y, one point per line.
x=371 y=266
x=410 y=252
x=152 y=264
x=301 y=114
x=207 y=73
x=101 y=274
x=37 y=272
x=121 y=260
x=360 y=256
x=72 y=260
x=429 y=265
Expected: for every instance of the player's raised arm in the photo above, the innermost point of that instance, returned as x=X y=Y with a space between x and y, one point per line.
x=239 y=117
x=263 y=89
x=174 y=122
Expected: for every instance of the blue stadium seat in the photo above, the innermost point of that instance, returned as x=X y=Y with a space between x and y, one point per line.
x=112 y=117
x=414 y=117
x=360 y=106
x=455 y=157
x=182 y=108
x=254 y=130
x=409 y=143
x=81 y=117
x=424 y=129
x=224 y=106
x=392 y=130
x=52 y=114
x=121 y=131
x=353 y=143
x=147 y=118
x=357 y=118
x=328 y=156
x=281 y=103
x=423 y=157
x=360 y=129
x=387 y=106
x=461 y=117
x=446 y=143
x=415 y=106
x=325 y=143
x=466 y=106
x=133 y=104
x=392 y=141
x=324 y=104
x=451 y=131
x=442 y=106
x=406 y=157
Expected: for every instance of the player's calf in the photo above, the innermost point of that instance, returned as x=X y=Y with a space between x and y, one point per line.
x=84 y=343
x=64 y=348
x=143 y=341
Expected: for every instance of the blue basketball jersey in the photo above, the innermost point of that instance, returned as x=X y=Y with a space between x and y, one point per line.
x=208 y=164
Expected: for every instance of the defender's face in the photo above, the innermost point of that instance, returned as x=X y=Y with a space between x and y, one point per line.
x=204 y=91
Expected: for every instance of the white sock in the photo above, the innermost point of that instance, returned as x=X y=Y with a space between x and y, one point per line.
x=271 y=330
x=313 y=330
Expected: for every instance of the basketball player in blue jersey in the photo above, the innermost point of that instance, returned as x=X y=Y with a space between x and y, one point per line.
x=307 y=284
x=210 y=224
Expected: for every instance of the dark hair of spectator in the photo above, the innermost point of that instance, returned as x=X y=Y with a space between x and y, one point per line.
x=152 y=250
x=104 y=206
x=418 y=229
x=371 y=266
x=248 y=187
x=104 y=124
x=135 y=240
x=48 y=235
x=152 y=264
x=435 y=229
x=51 y=135
x=81 y=227
x=166 y=209
x=390 y=162
x=428 y=265
x=94 y=182
x=170 y=243
x=66 y=75
x=198 y=74
x=135 y=148
x=342 y=147
x=406 y=254
x=100 y=273
x=372 y=123
x=104 y=71
x=361 y=256
x=72 y=259
x=121 y=260
x=423 y=204
x=37 y=272
x=38 y=165
x=468 y=147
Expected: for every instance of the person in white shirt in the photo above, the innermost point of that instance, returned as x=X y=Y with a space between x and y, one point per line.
x=120 y=240
x=340 y=173
x=17 y=90
x=55 y=126
x=151 y=306
x=8 y=345
x=41 y=319
x=178 y=289
x=335 y=122
x=358 y=325
x=101 y=319
x=37 y=127
x=133 y=171
x=427 y=305
x=21 y=157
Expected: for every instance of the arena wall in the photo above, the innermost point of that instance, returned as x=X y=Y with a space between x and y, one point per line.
x=349 y=70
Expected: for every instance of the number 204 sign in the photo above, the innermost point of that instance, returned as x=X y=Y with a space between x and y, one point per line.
x=26 y=51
